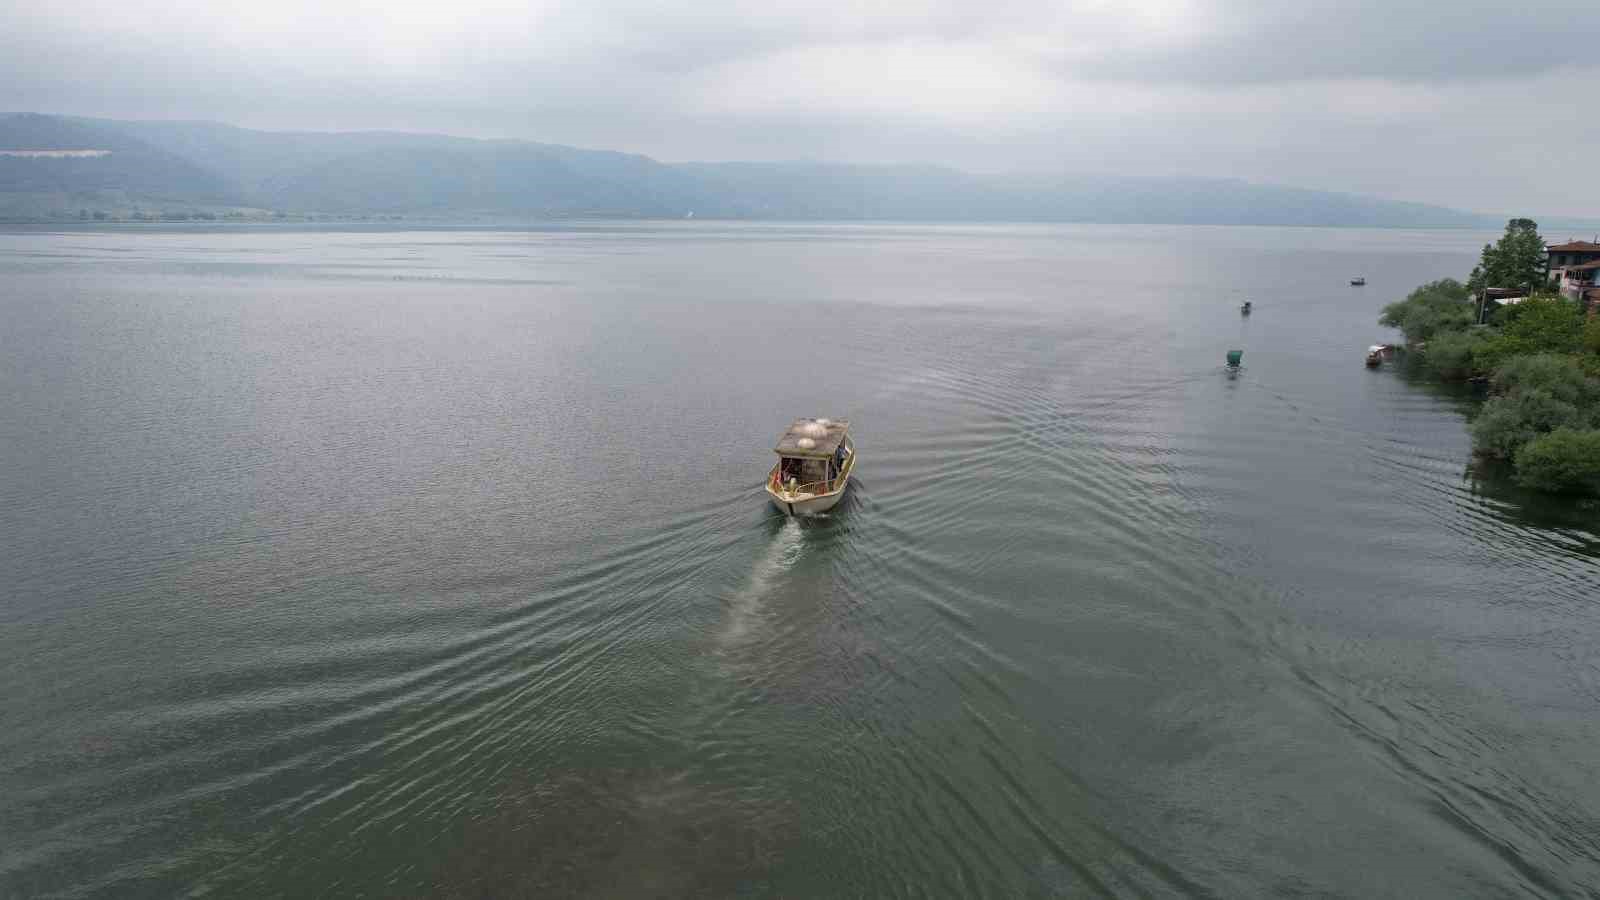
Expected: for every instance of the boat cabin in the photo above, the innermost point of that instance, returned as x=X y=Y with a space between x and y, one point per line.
x=812 y=452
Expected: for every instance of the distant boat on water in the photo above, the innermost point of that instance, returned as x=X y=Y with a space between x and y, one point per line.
x=1358 y=281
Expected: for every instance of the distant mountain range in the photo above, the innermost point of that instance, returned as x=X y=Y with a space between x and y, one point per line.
x=180 y=169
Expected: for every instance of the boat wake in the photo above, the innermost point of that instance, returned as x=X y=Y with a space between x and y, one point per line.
x=744 y=607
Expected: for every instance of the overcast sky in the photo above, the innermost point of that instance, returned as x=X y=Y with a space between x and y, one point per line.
x=1482 y=106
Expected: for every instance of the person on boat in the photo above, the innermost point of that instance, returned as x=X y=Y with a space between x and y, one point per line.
x=813 y=471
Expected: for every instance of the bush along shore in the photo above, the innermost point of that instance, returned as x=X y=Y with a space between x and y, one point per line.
x=1539 y=356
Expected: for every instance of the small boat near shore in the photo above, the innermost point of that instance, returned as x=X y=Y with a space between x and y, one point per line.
x=1378 y=354
x=815 y=459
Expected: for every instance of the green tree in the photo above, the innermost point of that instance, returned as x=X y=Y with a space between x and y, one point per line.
x=1535 y=395
x=1515 y=261
x=1591 y=334
x=1541 y=324
x=1558 y=374
x=1439 y=306
x=1452 y=354
x=1565 y=460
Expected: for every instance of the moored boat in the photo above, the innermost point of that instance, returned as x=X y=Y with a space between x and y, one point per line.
x=1245 y=308
x=815 y=459
x=1378 y=354
x=1357 y=281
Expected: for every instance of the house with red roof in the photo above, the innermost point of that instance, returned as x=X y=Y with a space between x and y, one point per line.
x=1572 y=253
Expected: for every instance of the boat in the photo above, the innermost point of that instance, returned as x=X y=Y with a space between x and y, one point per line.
x=1235 y=358
x=1357 y=282
x=815 y=459
x=1378 y=354
x=1245 y=309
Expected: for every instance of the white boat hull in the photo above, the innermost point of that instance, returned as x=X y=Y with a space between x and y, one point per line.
x=807 y=504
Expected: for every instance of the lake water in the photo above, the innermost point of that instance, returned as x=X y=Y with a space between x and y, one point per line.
x=435 y=563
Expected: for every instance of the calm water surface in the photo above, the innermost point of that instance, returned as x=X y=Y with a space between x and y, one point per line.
x=435 y=563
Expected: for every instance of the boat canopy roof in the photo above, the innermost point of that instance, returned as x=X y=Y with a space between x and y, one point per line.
x=813 y=438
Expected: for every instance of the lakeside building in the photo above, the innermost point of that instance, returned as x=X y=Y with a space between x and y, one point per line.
x=1578 y=283
x=1504 y=296
x=1573 y=267
x=1572 y=253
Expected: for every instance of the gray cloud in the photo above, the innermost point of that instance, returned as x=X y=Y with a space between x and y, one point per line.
x=1470 y=105
x=1409 y=40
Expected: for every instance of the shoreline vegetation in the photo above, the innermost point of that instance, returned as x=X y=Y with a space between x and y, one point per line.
x=1538 y=355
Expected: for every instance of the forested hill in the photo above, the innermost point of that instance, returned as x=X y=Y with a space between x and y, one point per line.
x=152 y=168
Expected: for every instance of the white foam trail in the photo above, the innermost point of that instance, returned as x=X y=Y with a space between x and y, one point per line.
x=744 y=606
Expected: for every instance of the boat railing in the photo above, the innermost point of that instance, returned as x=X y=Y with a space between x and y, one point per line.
x=811 y=487
x=814 y=488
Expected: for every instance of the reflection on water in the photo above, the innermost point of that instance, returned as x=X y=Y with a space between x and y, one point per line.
x=437 y=563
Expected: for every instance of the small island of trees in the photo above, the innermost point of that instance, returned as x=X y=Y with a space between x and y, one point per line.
x=1539 y=356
